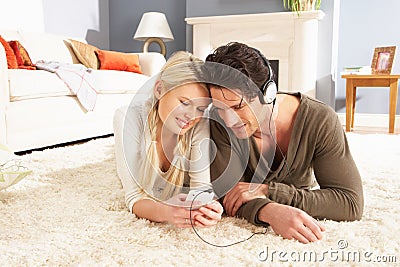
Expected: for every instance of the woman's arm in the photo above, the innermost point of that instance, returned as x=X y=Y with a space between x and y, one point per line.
x=199 y=172
x=199 y=157
x=160 y=212
x=127 y=130
x=179 y=216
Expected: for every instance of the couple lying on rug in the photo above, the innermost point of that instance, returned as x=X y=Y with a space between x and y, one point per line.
x=278 y=159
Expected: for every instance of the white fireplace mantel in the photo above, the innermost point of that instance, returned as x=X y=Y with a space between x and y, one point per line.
x=288 y=37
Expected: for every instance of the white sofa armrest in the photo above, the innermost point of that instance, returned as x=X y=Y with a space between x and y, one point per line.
x=4 y=91
x=4 y=94
x=151 y=62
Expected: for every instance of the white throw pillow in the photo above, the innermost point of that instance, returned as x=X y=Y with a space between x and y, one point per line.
x=11 y=169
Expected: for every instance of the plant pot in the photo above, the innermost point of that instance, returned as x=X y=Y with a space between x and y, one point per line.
x=306 y=5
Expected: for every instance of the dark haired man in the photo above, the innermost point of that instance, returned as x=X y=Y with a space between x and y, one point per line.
x=289 y=151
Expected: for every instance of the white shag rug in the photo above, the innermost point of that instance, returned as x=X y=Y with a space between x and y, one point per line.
x=70 y=212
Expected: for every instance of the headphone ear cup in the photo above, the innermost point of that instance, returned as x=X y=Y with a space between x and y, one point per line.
x=270 y=92
x=269 y=89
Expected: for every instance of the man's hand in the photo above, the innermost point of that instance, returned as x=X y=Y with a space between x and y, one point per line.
x=291 y=223
x=242 y=193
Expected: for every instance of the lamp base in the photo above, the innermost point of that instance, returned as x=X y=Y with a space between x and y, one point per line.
x=155 y=40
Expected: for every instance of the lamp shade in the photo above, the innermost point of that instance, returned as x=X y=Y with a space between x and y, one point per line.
x=153 y=24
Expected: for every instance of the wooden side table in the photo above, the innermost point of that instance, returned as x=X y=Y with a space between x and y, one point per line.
x=370 y=80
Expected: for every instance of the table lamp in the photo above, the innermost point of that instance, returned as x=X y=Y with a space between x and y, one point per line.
x=153 y=27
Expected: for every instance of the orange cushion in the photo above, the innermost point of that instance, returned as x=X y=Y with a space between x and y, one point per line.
x=14 y=46
x=112 y=60
x=11 y=59
x=24 y=54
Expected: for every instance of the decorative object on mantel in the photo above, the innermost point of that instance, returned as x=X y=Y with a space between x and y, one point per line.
x=302 y=5
x=153 y=27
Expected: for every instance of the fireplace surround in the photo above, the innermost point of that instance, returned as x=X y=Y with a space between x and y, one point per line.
x=288 y=37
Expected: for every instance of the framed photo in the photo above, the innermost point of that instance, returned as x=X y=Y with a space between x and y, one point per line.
x=382 y=61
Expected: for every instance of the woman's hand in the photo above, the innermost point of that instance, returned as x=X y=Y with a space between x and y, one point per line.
x=210 y=214
x=177 y=212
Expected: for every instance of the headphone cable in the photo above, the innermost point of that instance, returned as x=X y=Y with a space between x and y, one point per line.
x=215 y=245
x=255 y=233
x=275 y=141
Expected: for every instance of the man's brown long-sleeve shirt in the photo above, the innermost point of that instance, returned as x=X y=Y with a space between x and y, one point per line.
x=317 y=145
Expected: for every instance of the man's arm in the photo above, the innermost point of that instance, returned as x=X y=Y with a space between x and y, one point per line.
x=340 y=196
x=228 y=159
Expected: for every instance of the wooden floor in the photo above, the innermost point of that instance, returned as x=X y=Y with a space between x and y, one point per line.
x=372 y=130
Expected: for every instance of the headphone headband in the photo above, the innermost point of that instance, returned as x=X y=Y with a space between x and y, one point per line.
x=269 y=89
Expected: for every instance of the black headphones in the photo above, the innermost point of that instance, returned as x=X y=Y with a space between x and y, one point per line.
x=269 y=89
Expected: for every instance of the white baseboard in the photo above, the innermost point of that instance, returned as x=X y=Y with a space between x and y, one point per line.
x=370 y=120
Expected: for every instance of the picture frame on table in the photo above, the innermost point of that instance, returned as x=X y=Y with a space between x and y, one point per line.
x=383 y=58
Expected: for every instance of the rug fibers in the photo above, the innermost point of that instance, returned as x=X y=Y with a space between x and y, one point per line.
x=70 y=212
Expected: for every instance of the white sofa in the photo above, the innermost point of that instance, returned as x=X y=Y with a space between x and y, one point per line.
x=36 y=107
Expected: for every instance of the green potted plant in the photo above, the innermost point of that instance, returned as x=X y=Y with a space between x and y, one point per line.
x=302 y=5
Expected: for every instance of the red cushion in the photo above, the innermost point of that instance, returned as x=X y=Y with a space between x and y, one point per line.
x=112 y=60
x=14 y=46
x=23 y=59
x=11 y=59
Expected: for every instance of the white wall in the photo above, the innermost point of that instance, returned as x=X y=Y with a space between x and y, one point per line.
x=22 y=14
x=86 y=19
x=365 y=25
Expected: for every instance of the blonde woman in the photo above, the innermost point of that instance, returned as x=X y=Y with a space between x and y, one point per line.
x=162 y=149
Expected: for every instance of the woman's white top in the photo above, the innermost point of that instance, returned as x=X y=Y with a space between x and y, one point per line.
x=132 y=142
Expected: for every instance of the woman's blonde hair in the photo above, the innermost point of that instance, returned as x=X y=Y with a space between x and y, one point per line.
x=181 y=68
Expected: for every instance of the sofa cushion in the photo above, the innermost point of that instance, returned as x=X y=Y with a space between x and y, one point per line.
x=26 y=60
x=10 y=34
x=26 y=84
x=47 y=47
x=24 y=54
x=18 y=57
x=85 y=53
x=117 y=82
x=11 y=59
x=113 y=60
x=23 y=60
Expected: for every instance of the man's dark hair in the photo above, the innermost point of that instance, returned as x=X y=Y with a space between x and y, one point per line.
x=246 y=60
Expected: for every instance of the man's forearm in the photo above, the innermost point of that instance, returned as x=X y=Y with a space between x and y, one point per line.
x=330 y=203
x=250 y=210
